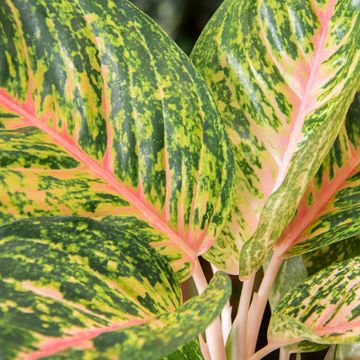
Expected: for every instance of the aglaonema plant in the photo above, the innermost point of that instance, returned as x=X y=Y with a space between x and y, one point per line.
x=115 y=175
x=283 y=74
x=121 y=163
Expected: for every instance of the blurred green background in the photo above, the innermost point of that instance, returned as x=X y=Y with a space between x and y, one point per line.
x=183 y=20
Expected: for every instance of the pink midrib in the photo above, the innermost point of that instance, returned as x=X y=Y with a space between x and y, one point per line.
x=52 y=347
x=337 y=329
x=303 y=222
x=305 y=102
x=104 y=174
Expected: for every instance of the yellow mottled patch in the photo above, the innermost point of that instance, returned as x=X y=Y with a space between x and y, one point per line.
x=12 y=70
x=223 y=61
x=160 y=164
x=134 y=114
x=132 y=286
x=234 y=136
x=182 y=138
x=92 y=54
x=100 y=254
x=41 y=307
x=159 y=94
x=78 y=259
x=70 y=80
x=112 y=265
x=221 y=106
x=235 y=104
x=90 y=18
x=50 y=24
x=126 y=54
x=82 y=226
x=38 y=79
x=219 y=76
x=27 y=310
x=109 y=21
x=92 y=104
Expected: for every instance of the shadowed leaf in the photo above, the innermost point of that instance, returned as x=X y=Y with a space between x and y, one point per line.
x=323 y=309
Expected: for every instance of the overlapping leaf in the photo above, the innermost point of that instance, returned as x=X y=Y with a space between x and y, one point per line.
x=292 y=272
x=326 y=215
x=295 y=270
x=283 y=75
x=101 y=114
x=327 y=255
x=324 y=309
x=158 y=338
x=330 y=208
x=71 y=282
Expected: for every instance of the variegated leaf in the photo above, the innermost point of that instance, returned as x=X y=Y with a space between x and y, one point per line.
x=333 y=213
x=292 y=272
x=330 y=209
x=166 y=332
x=283 y=74
x=101 y=114
x=88 y=287
x=327 y=255
x=340 y=209
x=323 y=309
x=295 y=270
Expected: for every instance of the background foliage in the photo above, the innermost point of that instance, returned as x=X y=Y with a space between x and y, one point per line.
x=182 y=19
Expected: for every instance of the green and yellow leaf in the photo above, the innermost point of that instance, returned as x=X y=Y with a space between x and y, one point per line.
x=330 y=209
x=101 y=114
x=161 y=336
x=296 y=269
x=327 y=255
x=338 y=211
x=323 y=309
x=86 y=287
x=283 y=74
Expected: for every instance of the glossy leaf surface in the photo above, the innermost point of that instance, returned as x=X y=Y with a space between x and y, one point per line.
x=295 y=270
x=323 y=309
x=70 y=282
x=335 y=219
x=159 y=337
x=327 y=255
x=283 y=75
x=101 y=114
x=325 y=219
x=330 y=209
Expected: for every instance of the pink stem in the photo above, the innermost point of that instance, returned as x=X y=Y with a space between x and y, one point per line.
x=226 y=322
x=264 y=351
x=204 y=348
x=214 y=338
x=240 y=323
x=259 y=302
x=284 y=354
